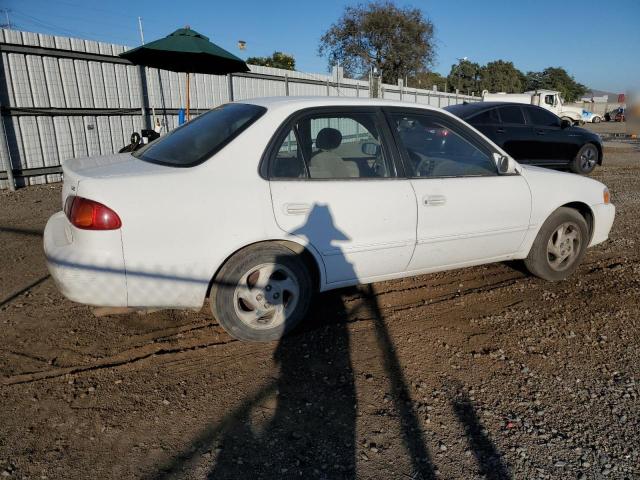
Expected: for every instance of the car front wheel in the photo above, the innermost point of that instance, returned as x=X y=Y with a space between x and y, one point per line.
x=586 y=160
x=261 y=292
x=559 y=246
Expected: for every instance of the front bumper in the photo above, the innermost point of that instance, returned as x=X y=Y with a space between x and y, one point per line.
x=87 y=266
x=603 y=216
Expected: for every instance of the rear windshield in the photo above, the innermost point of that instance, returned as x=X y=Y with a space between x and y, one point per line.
x=199 y=139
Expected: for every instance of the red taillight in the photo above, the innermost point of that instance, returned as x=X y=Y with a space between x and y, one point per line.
x=89 y=215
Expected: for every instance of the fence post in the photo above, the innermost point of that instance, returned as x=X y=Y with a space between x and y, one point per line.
x=328 y=91
x=286 y=84
x=357 y=89
x=401 y=87
x=144 y=96
x=9 y=165
x=230 y=86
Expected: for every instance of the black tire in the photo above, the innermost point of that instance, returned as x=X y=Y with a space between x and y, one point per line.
x=568 y=119
x=225 y=304
x=540 y=260
x=585 y=160
x=596 y=119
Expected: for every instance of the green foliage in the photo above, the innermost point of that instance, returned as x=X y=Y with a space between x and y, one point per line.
x=555 y=78
x=501 y=76
x=465 y=76
x=397 y=42
x=277 y=60
x=427 y=80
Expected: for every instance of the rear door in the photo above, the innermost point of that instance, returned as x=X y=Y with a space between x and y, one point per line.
x=516 y=137
x=334 y=184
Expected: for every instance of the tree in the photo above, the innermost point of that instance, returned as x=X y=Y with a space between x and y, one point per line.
x=427 y=80
x=501 y=76
x=277 y=60
x=465 y=76
x=397 y=42
x=556 y=78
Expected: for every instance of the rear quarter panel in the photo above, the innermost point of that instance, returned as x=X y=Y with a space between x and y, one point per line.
x=179 y=225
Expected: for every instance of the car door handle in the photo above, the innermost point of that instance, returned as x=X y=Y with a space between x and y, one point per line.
x=434 y=200
x=540 y=132
x=296 y=208
x=499 y=130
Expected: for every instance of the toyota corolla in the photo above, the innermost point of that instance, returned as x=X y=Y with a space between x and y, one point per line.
x=259 y=204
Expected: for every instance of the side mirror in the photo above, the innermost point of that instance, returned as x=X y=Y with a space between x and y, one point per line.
x=370 y=149
x=505 y=164
x=564 y=123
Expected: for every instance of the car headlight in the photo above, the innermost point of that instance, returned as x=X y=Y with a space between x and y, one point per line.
x=606 y=196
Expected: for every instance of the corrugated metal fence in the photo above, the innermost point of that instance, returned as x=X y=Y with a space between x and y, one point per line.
x=65 y=97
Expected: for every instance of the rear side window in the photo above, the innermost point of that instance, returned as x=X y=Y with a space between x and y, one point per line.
x=541 y=117
x=199 y=139
x=511 y=114
x=485 y=118
x=327 y=146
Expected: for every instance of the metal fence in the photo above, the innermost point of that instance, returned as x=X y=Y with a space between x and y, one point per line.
x=64 y=98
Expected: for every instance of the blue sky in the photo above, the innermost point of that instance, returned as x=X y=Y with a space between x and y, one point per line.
x=596 y=41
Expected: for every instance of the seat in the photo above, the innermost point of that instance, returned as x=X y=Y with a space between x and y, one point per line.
x=326 y=163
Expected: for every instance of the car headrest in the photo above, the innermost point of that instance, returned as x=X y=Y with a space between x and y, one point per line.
x=328 y=139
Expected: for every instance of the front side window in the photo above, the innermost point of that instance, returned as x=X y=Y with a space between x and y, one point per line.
x=438 y=149
x=511 y=114
x=332 y=147
x=199 y=139
x=550 y=100
x=542 y=118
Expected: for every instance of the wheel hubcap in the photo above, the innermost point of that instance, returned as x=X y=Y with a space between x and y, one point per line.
x=564 y=246
x=266 y=295
x=588 y=158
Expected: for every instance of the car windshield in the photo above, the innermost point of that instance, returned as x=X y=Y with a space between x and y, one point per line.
x=199 y=139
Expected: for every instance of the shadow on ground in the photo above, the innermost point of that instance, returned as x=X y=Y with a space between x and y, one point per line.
x=303 y=423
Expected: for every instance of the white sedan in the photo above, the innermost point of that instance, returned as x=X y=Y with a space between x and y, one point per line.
x=261 y=203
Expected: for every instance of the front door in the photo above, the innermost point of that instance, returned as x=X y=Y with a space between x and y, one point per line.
x=553 y=143
x=334 y=185
x=467 y=213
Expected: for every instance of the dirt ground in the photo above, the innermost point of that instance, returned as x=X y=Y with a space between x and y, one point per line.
x=478 y=373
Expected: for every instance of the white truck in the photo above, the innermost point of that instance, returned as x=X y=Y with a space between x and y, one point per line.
x=549 y=99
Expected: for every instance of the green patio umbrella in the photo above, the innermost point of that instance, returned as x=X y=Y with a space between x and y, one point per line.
x=188 y=51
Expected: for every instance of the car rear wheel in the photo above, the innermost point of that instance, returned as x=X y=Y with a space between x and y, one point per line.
x=559 y=246
x=596 y=119
x=586 y=159
x=261 y=292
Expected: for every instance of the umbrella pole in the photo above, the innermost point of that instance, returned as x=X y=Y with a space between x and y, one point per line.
x=188 y=113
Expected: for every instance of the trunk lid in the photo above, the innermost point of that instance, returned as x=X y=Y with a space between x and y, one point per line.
x=77 y=170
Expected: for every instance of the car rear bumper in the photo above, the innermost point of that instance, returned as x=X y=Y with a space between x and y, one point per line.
x=87 y=266
x=603 y=221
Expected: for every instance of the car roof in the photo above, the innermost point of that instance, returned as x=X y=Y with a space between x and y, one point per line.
x=466 y=110
x=296 y=103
